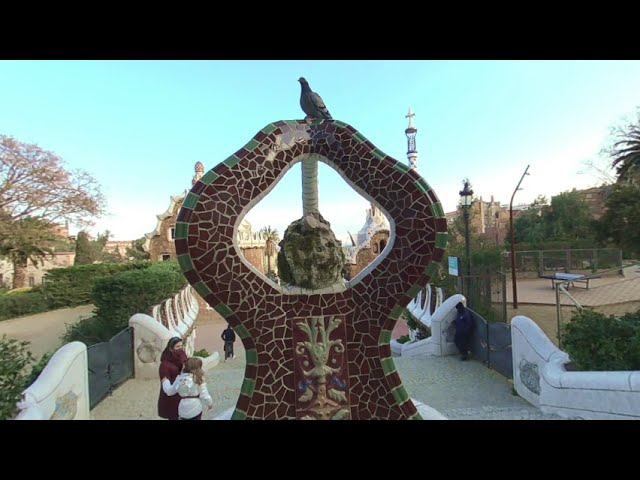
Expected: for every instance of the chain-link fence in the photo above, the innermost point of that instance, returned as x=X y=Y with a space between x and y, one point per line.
x=613 y=292
x=537 y=263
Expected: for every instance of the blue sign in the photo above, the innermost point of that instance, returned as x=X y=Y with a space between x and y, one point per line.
x=454 y=263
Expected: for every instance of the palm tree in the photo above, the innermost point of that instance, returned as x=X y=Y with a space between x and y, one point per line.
x=24 y=241
x=626 y=151
x=272 y=238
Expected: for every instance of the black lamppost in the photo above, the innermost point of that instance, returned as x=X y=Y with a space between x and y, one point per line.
x=466 y=197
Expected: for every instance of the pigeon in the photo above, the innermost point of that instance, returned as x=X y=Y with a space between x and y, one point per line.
x=312 y=103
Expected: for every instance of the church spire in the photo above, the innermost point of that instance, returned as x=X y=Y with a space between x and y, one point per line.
x=412 y=151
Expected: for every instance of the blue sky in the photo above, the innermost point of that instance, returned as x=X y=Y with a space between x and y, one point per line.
x=140 y=126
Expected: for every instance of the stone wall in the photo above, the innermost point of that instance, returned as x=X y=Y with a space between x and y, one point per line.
x=163 y=243
x=255 y=257
x=366 y=255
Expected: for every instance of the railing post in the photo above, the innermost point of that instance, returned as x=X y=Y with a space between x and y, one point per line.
x=540 y=263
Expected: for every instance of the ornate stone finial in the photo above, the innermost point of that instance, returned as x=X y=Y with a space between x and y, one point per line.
x=199 y=169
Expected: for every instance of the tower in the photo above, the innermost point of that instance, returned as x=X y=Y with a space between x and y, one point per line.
x=199 y=169
x=412 y=151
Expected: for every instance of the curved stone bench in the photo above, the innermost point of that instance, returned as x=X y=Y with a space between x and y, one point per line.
x=540 y=377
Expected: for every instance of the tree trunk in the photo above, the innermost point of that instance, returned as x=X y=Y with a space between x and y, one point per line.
x=19 y=274
x=309 y=185
x=268 y=263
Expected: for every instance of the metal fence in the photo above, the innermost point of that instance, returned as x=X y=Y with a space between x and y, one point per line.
x=536 y=263
x=609 y=292
x=491 y=344
x=486 y=294
x=110 y=364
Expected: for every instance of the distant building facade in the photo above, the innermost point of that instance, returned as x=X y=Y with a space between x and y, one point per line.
x=35 y=275
x=596 y=198
x=160 y=243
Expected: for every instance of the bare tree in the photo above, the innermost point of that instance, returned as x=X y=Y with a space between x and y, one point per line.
x=35 y=184
x=36 y=192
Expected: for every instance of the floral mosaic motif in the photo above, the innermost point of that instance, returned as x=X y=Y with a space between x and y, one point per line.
x=66 y=407
x=266 y=318
x=529 y=376
x=319 y=356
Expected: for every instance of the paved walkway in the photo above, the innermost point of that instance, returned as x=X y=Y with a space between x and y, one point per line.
x=44 y=330
x=539 y=291
x=458 y=390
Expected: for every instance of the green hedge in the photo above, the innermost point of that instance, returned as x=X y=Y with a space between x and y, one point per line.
x=73 y=286
x=119 y=297
x=24 y=303
x=596 y=342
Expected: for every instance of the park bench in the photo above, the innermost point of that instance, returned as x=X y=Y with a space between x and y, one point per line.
x=569 y=278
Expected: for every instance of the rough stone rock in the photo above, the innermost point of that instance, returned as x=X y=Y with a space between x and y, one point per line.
x=310 y=254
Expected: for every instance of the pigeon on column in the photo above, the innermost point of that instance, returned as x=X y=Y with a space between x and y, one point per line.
x=312 y=103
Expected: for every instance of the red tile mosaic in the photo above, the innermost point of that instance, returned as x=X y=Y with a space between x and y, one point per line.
x=320 y=355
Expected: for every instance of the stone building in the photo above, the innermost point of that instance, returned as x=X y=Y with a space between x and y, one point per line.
x=489 y=219
x=595 y=198
x=373 y=237
x=35 y=274
x=160 y=242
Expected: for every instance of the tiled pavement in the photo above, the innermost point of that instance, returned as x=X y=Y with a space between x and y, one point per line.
x=458 y=390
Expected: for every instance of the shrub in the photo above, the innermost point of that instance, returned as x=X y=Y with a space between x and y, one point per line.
x=414 y=324
x=23 y=303
x=201 y=353
x=37 y=369
x=403 y=339
x=596 y=342
x=118 y=297
x=14 y=360
x=73 y=286
x=90 y=330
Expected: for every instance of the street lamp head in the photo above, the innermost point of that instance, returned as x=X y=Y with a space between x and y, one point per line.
x=466 y=195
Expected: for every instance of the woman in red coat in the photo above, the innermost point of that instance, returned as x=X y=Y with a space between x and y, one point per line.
x=171 y=362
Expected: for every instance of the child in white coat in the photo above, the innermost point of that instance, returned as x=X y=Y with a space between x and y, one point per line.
x=192 y=387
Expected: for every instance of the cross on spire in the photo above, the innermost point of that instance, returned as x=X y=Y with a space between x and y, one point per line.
x=410 y=116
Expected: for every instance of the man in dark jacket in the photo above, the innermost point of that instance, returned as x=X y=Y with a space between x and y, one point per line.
x=464 y=331
x=229 y=336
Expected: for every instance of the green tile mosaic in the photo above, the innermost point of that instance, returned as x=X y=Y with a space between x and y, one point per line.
x=191 y=200
x=247 y=387
x=209 y=177
x=388 y=366
x=181 y=230
x=269 y=129
x=232 y=161
x=185 y=262
x=223 y=310
x=441 y=239
x=396 y=312
x=202 y=289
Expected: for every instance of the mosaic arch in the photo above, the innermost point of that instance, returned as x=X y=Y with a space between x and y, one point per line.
x=313 y=354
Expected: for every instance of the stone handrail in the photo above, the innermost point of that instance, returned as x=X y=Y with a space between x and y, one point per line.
x=541 y=378
x=61 y=391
